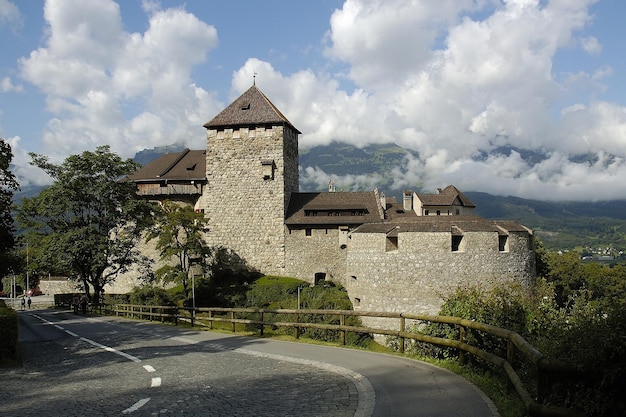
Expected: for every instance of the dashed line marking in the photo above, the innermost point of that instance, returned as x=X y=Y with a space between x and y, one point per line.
x=136 y=406
x=110 y=349
x=155 y=382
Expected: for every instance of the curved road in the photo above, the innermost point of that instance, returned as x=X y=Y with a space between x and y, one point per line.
x=107 y=366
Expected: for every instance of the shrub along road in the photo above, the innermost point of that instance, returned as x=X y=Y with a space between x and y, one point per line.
x=102 y=366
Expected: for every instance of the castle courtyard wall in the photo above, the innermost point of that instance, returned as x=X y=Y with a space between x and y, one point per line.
x=321 y=252
x=414 y=278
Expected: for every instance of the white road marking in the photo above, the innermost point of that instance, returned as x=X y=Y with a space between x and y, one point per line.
x=156 y=382
x=136 y=406
x=184 y=340
x=110 y=349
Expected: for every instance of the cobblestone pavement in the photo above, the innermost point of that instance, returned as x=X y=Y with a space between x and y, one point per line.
x=105 y=366
x=71 y=377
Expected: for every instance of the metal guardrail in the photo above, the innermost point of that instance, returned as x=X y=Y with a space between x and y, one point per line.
x=545 y=367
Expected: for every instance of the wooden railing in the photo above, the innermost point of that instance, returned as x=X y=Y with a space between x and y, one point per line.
x=516 y=346
x=162 y=313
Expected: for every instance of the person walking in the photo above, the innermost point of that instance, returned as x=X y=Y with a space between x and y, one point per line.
x=83 y=303
x=23 y=303
x=75 y=302
x=29 y=302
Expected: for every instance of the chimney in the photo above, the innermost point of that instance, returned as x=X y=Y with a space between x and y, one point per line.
x=383 y=201
x=407 y=201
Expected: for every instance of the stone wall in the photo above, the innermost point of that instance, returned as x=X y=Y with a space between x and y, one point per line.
x=414 y=278
x=306 y=256
x=251 y=173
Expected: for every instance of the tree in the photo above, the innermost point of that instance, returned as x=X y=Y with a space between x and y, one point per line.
x=179 y=233
x=8 y=186
x=88 y=222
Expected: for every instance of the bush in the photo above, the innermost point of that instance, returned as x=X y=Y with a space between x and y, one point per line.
x=150 y=296
x=282 y=293
x=9 y=347
x=581 y=330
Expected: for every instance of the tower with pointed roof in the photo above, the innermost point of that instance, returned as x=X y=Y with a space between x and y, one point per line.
x=252 y=170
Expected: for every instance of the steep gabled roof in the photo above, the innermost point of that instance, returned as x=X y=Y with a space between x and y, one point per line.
x=249 y=109
x=446 y=197
x=303 y=205
x=185 y=165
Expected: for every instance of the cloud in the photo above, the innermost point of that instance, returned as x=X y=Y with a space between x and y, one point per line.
x=7 y=86
x=10 y=15
x=469 y=78
x=457 y=81
x=106 y=85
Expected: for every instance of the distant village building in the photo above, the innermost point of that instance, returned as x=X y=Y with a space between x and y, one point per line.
x=389 y=255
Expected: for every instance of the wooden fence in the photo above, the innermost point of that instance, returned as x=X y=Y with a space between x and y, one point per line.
x=517 y=348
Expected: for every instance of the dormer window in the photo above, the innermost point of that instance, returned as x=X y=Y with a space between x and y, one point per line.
x=245 y=106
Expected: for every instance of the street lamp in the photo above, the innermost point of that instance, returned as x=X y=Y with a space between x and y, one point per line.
x=299 y=289
x=193 y=294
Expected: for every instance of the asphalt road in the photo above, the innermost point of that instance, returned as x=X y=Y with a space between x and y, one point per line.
x=107 y=366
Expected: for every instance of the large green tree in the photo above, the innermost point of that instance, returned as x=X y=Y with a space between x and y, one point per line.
x=88 y=223
x=8 y=186
x=179 y=232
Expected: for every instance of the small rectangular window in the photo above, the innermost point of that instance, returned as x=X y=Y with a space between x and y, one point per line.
x=268 y=169
x=456 y=243
x=307 y=232
x=503 y=243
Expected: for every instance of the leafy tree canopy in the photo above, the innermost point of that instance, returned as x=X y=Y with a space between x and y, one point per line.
x=87 y=223
x=8 y=185
x=179 y=239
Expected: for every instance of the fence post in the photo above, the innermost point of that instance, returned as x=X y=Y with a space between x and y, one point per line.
x=342 y=322
x=232 y=317
x=261 y=329
x=462 y=335
x=297 y=327
x=510 y=357
x=402 y=329
x=211 y=319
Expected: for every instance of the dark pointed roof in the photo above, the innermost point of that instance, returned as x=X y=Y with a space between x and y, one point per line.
x=446 y=197
x=363 y=204
x=186 y=165
x=249 y=109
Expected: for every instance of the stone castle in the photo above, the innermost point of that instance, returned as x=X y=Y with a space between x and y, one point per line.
x=390 y=255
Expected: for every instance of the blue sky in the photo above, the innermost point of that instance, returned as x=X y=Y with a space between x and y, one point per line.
x=455 y=80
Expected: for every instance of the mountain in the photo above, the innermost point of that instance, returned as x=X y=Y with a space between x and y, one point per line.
x=560 y=225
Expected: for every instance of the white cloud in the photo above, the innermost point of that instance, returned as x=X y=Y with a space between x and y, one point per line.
x=10 y=15
x=591 y=45
x=130 y=90
x=452 y=80
x=7 y=86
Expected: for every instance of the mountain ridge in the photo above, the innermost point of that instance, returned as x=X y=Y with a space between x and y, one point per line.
x=560 y=225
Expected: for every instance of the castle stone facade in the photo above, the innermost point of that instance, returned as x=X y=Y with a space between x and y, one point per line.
x=252 y=170
x=389 y=255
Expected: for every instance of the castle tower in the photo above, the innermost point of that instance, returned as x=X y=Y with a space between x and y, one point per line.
x=252 y=169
